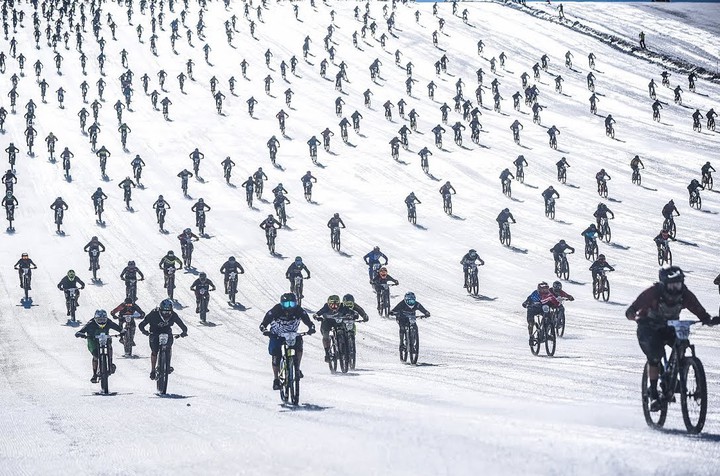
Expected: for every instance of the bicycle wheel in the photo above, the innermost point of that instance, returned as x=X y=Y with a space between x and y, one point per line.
x=596 y=289
x=474 y=285
x=293 y=383
x=333 y=354
x=104 y=372
x=552 y=212
x=669 y=257
x=607 y=234
x=653 y=419
x=550 y=340
x=282 y=377
x=693 y=394
x=414 y=341
x=660 y=257
x=535 y=339
x=606 y=290
x=404 y=344
x=698 y=202
x=162 y=376
x=343 y=352
x=565 y=270
x=560 y=325
x=508 y=237
x=352 y=358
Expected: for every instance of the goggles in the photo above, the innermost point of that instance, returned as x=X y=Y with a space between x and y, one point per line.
x=288 y=304
x=410 y=302
x=349 y=304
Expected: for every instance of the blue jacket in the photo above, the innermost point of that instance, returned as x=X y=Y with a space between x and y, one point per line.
x=374 y=257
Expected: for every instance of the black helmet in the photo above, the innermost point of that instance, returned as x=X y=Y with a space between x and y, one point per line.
x=672 y=279
x=472 y=253
x=377 y=248
x=557 y=286
x=601 y=257
x=231 y=259
x=166 y=309
x=507 y=210
x=288 y=300
x=128 y=300
x=94 y=238
x=131 y=264
x=202 y=276
x=337 y=215
x=561 y=242
x=171 y=253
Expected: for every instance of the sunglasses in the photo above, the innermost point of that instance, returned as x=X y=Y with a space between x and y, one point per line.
x=289 y=304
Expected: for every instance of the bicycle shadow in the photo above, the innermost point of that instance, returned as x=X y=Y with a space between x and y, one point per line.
x=306 y=407
x=688 y=243
x=456 y=217
x=173 y=396
x=426 y=364
x=615 y=303
x=480 y=297
x=618 y=246
x=701 y=436
x=518 y=250
x=344 y=255
x=572 y=281
x=420 y=227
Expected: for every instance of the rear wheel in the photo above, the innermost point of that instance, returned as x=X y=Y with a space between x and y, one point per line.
x=414 y=341
x=605 y=289
x=474 y=285
x=333 y=354
x=283 y=378
x=653 y=419
x=292 y=382
x=404 y=344
x=351 y=351
x=693 y=394
x=565 y=270
x=596 y=289
x=343 y=356
x=162 y=372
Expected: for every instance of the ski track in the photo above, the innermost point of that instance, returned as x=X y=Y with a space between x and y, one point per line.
x=477 y=400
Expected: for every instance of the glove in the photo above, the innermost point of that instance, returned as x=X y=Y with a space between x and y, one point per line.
x=525 y=304
x=427 y=315
x=123 y=333
x=184 y=334
x=630 y=315
x=365 y=319
x=263 y=328
x=78 y=334
x=145 y=333
x=311 y=331
x=316 y=317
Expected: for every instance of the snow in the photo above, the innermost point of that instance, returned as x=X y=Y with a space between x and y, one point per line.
x=478 y=400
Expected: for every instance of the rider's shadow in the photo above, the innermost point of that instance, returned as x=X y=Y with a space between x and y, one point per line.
x=345 y=255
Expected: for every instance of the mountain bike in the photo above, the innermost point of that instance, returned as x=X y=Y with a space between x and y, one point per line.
x=383 y=298
x=656 y=115
x=447 y=203
x=601 y=287
x=161 y=217
x=550 y=208
x=94 y=262
x=562 y=267
x=520 y=174
x=664 y=254
x=58 y=217
x=410 y=339
x=170 y=282
x=506 y=188
x=695 y=201
x=131 y=289
x=591 y=249
x=411 y=214
x=232 y=286
x=289 y=383
x=282 y=217
x=553 y=142
x=105 y=366
x=26 y=282
x=543 y=331
x=562 y=175
x=186 y=250
x=127 y=197
x=71 y=303
x=162 y=370
x=10 y=215
x=679 y=373
x=707 y=181
x=258 y=189
x=558 y=318
x=669 y=225
x=610 y=131
x=335 y=238
x=270 y=234
x=473 y=285
x=636 y=177
x=603 y=189
x=128 y=324
x=505 y=235
x=202 y=297
x=200 y=219
x=296 y=287
x=604 y=230
x=340 y=343
x=307 y=189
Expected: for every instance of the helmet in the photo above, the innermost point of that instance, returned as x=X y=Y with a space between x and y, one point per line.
x=602 y=171
x=59 y=199
x=270 y=216
x=171 y=253
x=202 y=276
x=472 y=253
x=288 y=301
x=127 y=177
x=671 y=202
x=377 y=248
x=160 y=197
x=101 y=317
x=71 y=275
x=557 y=286
x=543 y=287
x=672 y=279
x=298 y=260
x=410 y=299
x=600 y=205
x=562 y=242
x=166 y=309
x=348 y=301
x=187 y=231
x=507 y=210
x=601 y=257
x=333 y=301
x=337 y=215
x=707 y=163
x=128 y=300
x=412 y=194
x=131 y=264
x=593 y=227
x=24 y=255
x=308 y=173
x=551 y=187
x=447 y=183
x=280 y=185
x=8 y=194
x=200 y=200
x=259 y=169
x=382 y=269
x=99 y=189
x=94 y=238
x=231 y=259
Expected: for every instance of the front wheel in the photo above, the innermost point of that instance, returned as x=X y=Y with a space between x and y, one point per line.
x=162 y=372
x=605 y=290
x=104 y=369
x=333 y=355
x=414 y=342
x=693 y=394
x=352 y=358
x=292 y=382
x=404 y=344
x=653 y=419
x=550 y=340
x=535 y=338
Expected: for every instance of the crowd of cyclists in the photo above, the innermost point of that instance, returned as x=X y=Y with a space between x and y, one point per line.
x=288 y=313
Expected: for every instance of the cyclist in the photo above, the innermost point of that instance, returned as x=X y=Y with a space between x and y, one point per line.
x=97 y=325
x=549 y=194
x=601 y=212
x=161 y=320
x=504 y=178
x=71 y=281
x=503 y=218
x=335 y=222
x=281 y=318
x=590 y=233
x=327 y=314
x=658 y=304
x=405 y=308
x=468 y=261
x=373 y=258
x=601 y=177
x=410 y=201
x=127 y=308
x=186 y=238
x=598 y=266
x=230 y=266
x=559 y=250
x=669 y=209
x=382 y=277
x=202 y=285
x=694 y=188
x=94 y=247
x=558 y=292
x=662 y=238
x=535 y=302
x=296 y=269
x=130 y=274
x=169 y=261
x=562 y=165
x=707 y=170
x=348 y=302
x=25 y=263
x=636 y=163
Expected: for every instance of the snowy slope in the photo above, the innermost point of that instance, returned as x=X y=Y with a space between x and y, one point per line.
x=479 y=399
